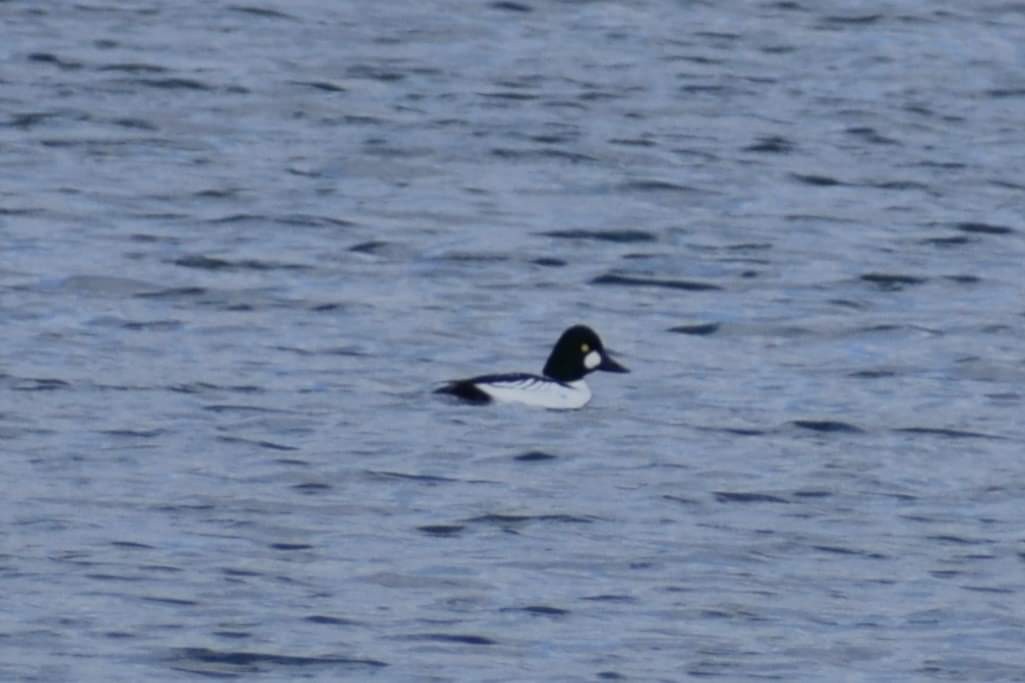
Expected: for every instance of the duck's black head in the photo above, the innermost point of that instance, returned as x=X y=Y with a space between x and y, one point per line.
x=578 y=352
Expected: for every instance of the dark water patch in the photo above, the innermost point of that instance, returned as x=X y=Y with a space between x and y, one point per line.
x=240 y=573
x=496 y=519
x=816 y=180
x=900 y=185
x=611 y=676
x=177 y=602
x=1000 y=93
x=50 y=58
x=827 y=426
x=990 y=589
x=983 y=228
x=610 y=597
x=330 y=621
x=291 y=462
x=133 y=68
x=509 y=95
x=556 y=154
x=119 y=635
x=202 y=262
x=548 y=262
x=403 y=476
x=152 y=325
x=323 y=86
x=134 y=124
x=116 y=577
x=206 y=387
x=812 y=493
x=700 y=329
x=963 y=279
x=538 y=610
x=441 y=529
x=244 y=409
x=173 y=293
x=631 y=281
x=633 y=142
x=458 y=638
x=26 y=121
x=238 y=218
x=233 y=635
x=507 y=6
x=737 y=431
x=327 y=307
x=843 y=550
x=870 y=135
x=703 y=89
x=680 y=499
x=534 y=456
x=958 y=540
x=892 y=281
x=946 y=573
x=370 y=247
x=371 y=72
x=306 y=220
x=852 y=20
x=39 y=384
x=772 y=144
x=467 y=257
x=953 y=241
x=171 y=83
x=884 y=328
x=188 y=659
x=133 y=433
x=312 y=487
x=620 y=236
x=654 y=186
x=872 y=374
x=290 y=547
x=270 y=445
x=261 y=12
x=743 y=497
x=217 y=193
x=132 y=545
x=945 y=433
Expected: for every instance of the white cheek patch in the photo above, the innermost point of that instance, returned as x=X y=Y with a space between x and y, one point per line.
x=592 y=360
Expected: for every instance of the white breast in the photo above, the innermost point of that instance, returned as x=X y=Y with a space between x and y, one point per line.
x=537 y=392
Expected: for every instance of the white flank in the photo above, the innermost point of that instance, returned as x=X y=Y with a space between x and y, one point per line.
x=540 y=393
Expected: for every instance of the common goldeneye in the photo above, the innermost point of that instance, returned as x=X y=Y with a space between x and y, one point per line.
x=561 y=384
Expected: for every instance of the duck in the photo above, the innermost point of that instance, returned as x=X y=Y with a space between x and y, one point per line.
x=560 y=386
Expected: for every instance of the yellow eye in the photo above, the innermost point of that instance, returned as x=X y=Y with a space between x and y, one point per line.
x=585 y=348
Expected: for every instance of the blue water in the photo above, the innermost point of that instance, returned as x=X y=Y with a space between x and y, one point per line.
x=241 y=244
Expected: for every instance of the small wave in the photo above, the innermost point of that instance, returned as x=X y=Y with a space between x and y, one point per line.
x=538 y=610
x=983 y=228
x=463 y=639
x=827 y=426
x=202 y=262
x=534 y=456
x=947 y=433
x=892 y=281
x=771 y=144
x=631 y=281
x=816 y=180
x=187 y=659
x=621 y=236
x=700 y=329
x=441 y=529
x=742 y=497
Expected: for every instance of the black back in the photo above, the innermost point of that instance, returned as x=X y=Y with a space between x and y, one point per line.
x=468 y=389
